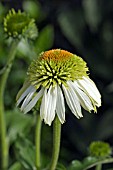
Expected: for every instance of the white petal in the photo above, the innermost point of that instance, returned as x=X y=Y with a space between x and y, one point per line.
x=60 y=106
x=33 y=101
x=48 y=105
x=44 y=103
x=90 y=89
x=51 y=105
x=83 y=98
x=28 y=98
x=72 y=101
x=26 y=92
x=24 y=87
x=92 y=84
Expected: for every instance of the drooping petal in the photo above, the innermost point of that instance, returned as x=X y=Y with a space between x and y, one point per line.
x=90 y=89
x=72 y=101
x=44 y=103
x=60 y=105
x=92 y=85
x=28 y=98
x=32 y=103
x=51 y=105
x=48 y=105
x=83 y=98
x=23 y=89
x=24 y=94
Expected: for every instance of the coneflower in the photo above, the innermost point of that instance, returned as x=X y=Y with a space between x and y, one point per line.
x=55 y=76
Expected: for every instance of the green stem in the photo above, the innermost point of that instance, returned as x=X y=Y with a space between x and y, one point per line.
x=56 y=143
x=3 y=80
x=37 y=141
x=99 y=167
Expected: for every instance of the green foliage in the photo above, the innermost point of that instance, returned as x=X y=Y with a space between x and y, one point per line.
x=92 y=14
x=72 y=25
x=16 y=166
x=75 y=165
x=60 y=167
x=18 y=124
x=26 y=51
x=88 y=163
x=25 y=152
x=33 y=8
x=45 y=39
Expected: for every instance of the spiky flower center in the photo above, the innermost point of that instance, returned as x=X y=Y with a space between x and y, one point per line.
x=18 y=23
x=56 y=67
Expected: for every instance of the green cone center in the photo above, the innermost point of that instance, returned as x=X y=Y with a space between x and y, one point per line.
x=16 y=22
x=56 y=67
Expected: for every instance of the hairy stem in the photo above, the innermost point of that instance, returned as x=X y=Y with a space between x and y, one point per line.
x=56 y=143
x=37 y=141
x=99 y=167
x=3 y=80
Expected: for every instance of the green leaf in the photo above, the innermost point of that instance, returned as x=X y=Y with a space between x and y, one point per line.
x=90 y=162
x=16 y=166
x=2 y=13
x=92 y=13
x=73 y=26
x=60 y=167
x=33 y=8
x=75 y=165
x=45 y=39
x=26 y=50
x=17 y=123
x=25 y=152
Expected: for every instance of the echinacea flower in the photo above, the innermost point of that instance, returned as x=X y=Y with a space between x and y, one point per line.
x=55 y=76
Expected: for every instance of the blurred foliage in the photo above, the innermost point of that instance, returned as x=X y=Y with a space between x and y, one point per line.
x=45 y=39
x=18 y=124
x=88 y=163
x=25 y=152
x=85 y=28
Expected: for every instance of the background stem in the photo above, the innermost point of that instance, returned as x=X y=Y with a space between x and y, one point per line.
x=99 y=167
x=56 y=143
x=37 y=141
x=3 y=80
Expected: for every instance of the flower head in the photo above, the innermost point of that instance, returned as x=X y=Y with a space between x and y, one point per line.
x=18 y=24
x=55 y=76
x=100 y=149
